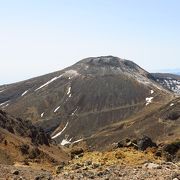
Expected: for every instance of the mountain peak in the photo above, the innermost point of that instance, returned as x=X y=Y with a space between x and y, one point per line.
x=103 y=61
x=108 y=65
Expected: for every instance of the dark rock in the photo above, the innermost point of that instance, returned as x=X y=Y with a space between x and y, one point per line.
x=60 y=167
x=144 y=143
x=173 y=116
x=34 y=153
x=171 y=152
x=127 y=143
x=172 y=148
x=88 y=163
x=24 y=148
x=77 y=166
x=71 y=176
x=85 y=168
x=16 y=172
x=90 y=175
x=100 y=174
x=25 y=162
x=39 y=177
x=24 y=128
x=76 y=152
x=95 y=165
x=21 y=178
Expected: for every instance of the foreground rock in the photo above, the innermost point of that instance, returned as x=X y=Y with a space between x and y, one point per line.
x=122 y=163
x=23 y=173
x=141 y=143
x=148 y=171
x=166 y=172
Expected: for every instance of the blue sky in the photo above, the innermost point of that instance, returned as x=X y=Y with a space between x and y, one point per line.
x=42 y=36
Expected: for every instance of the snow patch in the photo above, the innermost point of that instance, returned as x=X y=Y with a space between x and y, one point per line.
x=69 y=90
x=25 y=92
x=152 y=91
x=71 y=73
x=86 y=67
x=42 y=114
x=57 y=109
x=58 y=134
x=77 y=141
x=4 y=103
x=149 y=100
x=2 y=91
x=50 y=81
x=64 y=142
x=172 y=104
x=74 y=112
x=171 y=84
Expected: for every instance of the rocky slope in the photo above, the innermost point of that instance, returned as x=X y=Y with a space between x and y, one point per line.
x=169 y=81
x=19 y=127
x=24 y=144
x=161 y=123
x=79 y=101
x=121 y=164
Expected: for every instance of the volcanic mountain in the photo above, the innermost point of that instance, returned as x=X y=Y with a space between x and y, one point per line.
x=78 y=102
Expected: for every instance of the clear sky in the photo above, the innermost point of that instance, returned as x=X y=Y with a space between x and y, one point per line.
x=42 y=36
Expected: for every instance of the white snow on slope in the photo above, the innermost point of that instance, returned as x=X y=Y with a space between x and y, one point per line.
x=171 y=84
x=69 y=90
x=77 y=141
x=50 y=81
x=144 y=80
x=24 y=93
x=149 y=100
x=172 y=104
x=66 y=141
x=4 y=103
x=58 y=134
x=74 y=112
x=71 y=73
x=1 y=91
x=42 y=114
x=57 y=109
x=152 y=91
x=5 y=106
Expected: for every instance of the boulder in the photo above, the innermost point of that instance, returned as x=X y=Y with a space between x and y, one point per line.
x=60 y=167
x=172 y=148
x=126 y=143
x=15 y=172
x=76 y=152
x=144 y=143
x=171 y=152
x=152 y=166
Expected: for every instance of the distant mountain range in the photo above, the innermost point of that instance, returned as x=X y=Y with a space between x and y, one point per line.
x=97 y=100
x=169 y=81
x=170 y=71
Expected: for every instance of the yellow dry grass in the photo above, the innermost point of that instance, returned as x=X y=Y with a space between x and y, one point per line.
x=123 y=156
